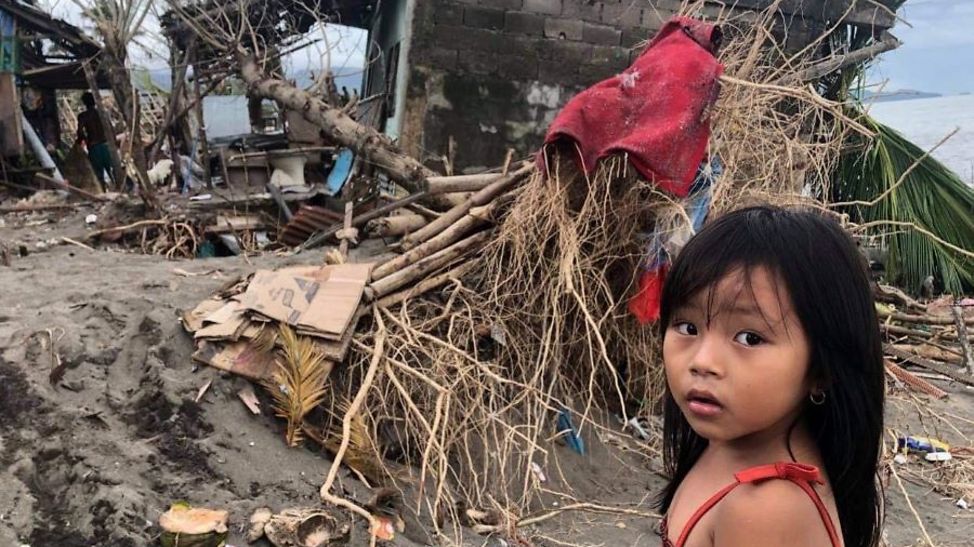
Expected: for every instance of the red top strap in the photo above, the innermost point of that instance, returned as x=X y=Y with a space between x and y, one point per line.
x=800 y=474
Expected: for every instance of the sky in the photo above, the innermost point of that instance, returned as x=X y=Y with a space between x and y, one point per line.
x=343 y=47
x=937 y=54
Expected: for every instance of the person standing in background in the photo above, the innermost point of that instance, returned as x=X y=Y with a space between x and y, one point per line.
x=92 y=132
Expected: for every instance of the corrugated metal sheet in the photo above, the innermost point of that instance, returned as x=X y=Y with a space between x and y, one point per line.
x=308 y=220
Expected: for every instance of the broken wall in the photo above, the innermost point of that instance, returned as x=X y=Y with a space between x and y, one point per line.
x=492 y=74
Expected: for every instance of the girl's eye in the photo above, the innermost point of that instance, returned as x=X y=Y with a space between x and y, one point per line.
x=749 y=339
x=688 y=329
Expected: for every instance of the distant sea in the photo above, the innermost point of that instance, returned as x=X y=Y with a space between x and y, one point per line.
x=927 y=121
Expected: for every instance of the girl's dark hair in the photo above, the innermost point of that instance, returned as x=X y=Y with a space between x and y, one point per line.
x=830 y=294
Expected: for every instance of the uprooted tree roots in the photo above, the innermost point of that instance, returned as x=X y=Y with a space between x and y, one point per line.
x=473 y=376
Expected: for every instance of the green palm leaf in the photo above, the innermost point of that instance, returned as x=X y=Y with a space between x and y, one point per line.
x=930 y=197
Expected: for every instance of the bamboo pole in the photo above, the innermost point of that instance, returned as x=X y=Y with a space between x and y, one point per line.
x=442 y=240
x=453 y=215
x=426 y=266
x=395 y=225
x=425 y=285
x=461 y=183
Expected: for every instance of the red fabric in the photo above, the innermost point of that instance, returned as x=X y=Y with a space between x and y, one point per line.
x=800 y=474
x=656 y=110
x=645 y=304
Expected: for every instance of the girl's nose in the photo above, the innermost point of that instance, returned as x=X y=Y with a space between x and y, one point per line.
x=706 y=361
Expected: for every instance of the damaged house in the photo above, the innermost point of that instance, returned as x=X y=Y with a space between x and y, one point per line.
x=39 y=55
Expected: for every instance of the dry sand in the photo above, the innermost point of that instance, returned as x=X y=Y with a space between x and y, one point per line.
x=97 y=459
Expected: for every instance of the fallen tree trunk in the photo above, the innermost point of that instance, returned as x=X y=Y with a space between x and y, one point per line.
x=395 y=225
x=377 y=148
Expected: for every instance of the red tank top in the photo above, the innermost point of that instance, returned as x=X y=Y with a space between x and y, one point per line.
x=800 y=474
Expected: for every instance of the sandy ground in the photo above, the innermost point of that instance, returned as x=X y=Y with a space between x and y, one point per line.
x=96 y=459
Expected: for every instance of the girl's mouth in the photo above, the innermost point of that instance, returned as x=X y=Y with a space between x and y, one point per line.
x=703 y=404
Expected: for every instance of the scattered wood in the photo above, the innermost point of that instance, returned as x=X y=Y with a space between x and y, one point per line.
x=319 y=239
x=425 y=286
x=77 y=243
x=426 y=266
x=915 y=382
x=337 y=124
x=453 y=215
x=939 y=368
x=886 y=293
x=72 y=189
x=40 y=208
x=126 y=228
x=439 y=242
x=460 y=183
x=346 y=230
x=249 y=399
x=920 y=319
x=965 y=344
x=395 y=226
x=202 y=391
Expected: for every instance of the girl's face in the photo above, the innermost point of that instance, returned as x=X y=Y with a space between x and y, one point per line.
x=742 y=375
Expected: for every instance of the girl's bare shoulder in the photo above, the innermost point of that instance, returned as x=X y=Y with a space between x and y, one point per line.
x=776 y=512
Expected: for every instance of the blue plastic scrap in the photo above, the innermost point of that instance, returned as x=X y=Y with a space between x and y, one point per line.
x=567 y=428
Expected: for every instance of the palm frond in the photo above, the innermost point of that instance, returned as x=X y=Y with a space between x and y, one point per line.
x=298 y=383
x=929 y=196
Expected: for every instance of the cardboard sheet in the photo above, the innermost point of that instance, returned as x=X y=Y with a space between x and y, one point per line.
x=318 y=302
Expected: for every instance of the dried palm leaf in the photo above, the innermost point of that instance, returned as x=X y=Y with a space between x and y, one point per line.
x=298 y=383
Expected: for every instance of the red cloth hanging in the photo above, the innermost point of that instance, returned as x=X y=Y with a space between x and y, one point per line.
x=657 y=110
x=645 y=303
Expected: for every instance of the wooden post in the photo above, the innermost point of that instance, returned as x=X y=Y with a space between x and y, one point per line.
x=176 y=86
x=346 y=229
x=965 y=343
x=204 y=147
x=106 y=122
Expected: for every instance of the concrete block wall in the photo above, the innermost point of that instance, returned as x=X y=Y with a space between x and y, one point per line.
x=492 y=74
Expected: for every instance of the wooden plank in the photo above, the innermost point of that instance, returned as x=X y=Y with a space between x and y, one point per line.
x=11 y=128
x=939 y=368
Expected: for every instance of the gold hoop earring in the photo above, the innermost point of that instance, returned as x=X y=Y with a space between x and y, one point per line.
x=817 y=399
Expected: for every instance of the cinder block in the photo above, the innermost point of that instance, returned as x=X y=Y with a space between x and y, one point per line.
x=583 y=10
x=632 y=37
x=547 y=7
x=443 y=59
x=502 y=4
x=448 y=14
x=517 y=67
x=524 y=23
x=487 y=18
x=564 y=51
x=601 y=34
x=615 y=57
x=477 y=62
x=567 y=29
x=623 y=14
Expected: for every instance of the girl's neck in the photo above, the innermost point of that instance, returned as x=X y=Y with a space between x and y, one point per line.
x=791 y=443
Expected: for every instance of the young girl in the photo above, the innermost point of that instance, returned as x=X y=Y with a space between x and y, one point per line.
x=773 y=414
